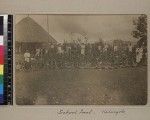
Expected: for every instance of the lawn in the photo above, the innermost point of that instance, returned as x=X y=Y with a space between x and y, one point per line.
x=122 y=86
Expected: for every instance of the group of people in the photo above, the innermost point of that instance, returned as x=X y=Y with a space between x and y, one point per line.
x=96 y=55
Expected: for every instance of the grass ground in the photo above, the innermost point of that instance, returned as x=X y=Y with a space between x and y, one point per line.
x=122 y=86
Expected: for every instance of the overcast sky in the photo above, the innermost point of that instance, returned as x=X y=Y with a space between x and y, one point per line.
x=107 y=27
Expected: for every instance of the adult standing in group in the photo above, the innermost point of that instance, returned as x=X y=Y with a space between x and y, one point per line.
x=27 y=57
x=52 y=56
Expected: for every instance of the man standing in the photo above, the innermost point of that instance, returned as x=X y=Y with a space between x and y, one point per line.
x=139 y=55
x=83 y=49
x=52 y=55
x=60 y=55
x=130 y=54
x=27 y=56
x=37 y=54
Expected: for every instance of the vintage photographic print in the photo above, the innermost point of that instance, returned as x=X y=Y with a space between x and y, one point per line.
x=81 y=59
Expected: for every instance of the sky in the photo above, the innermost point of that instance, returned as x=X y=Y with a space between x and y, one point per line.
x=93 y=27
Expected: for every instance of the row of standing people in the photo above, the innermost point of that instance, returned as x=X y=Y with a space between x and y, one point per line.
x=82 y=55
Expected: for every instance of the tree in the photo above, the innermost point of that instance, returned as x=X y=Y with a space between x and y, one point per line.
x=140 y=31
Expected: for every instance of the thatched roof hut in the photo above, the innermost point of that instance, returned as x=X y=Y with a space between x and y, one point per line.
x=27 y=30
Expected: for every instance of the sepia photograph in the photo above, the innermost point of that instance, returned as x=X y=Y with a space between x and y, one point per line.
x=81 y=59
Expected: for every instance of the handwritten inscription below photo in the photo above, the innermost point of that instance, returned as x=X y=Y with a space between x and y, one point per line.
x=81 y=59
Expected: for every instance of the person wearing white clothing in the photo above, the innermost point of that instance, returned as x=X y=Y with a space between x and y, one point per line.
x=115 y=48
x=60 y=50
x=130 y=48
x=37 y=54
x=139 y=54
x=27 y=56
x=105 y=48
x=83 y=49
